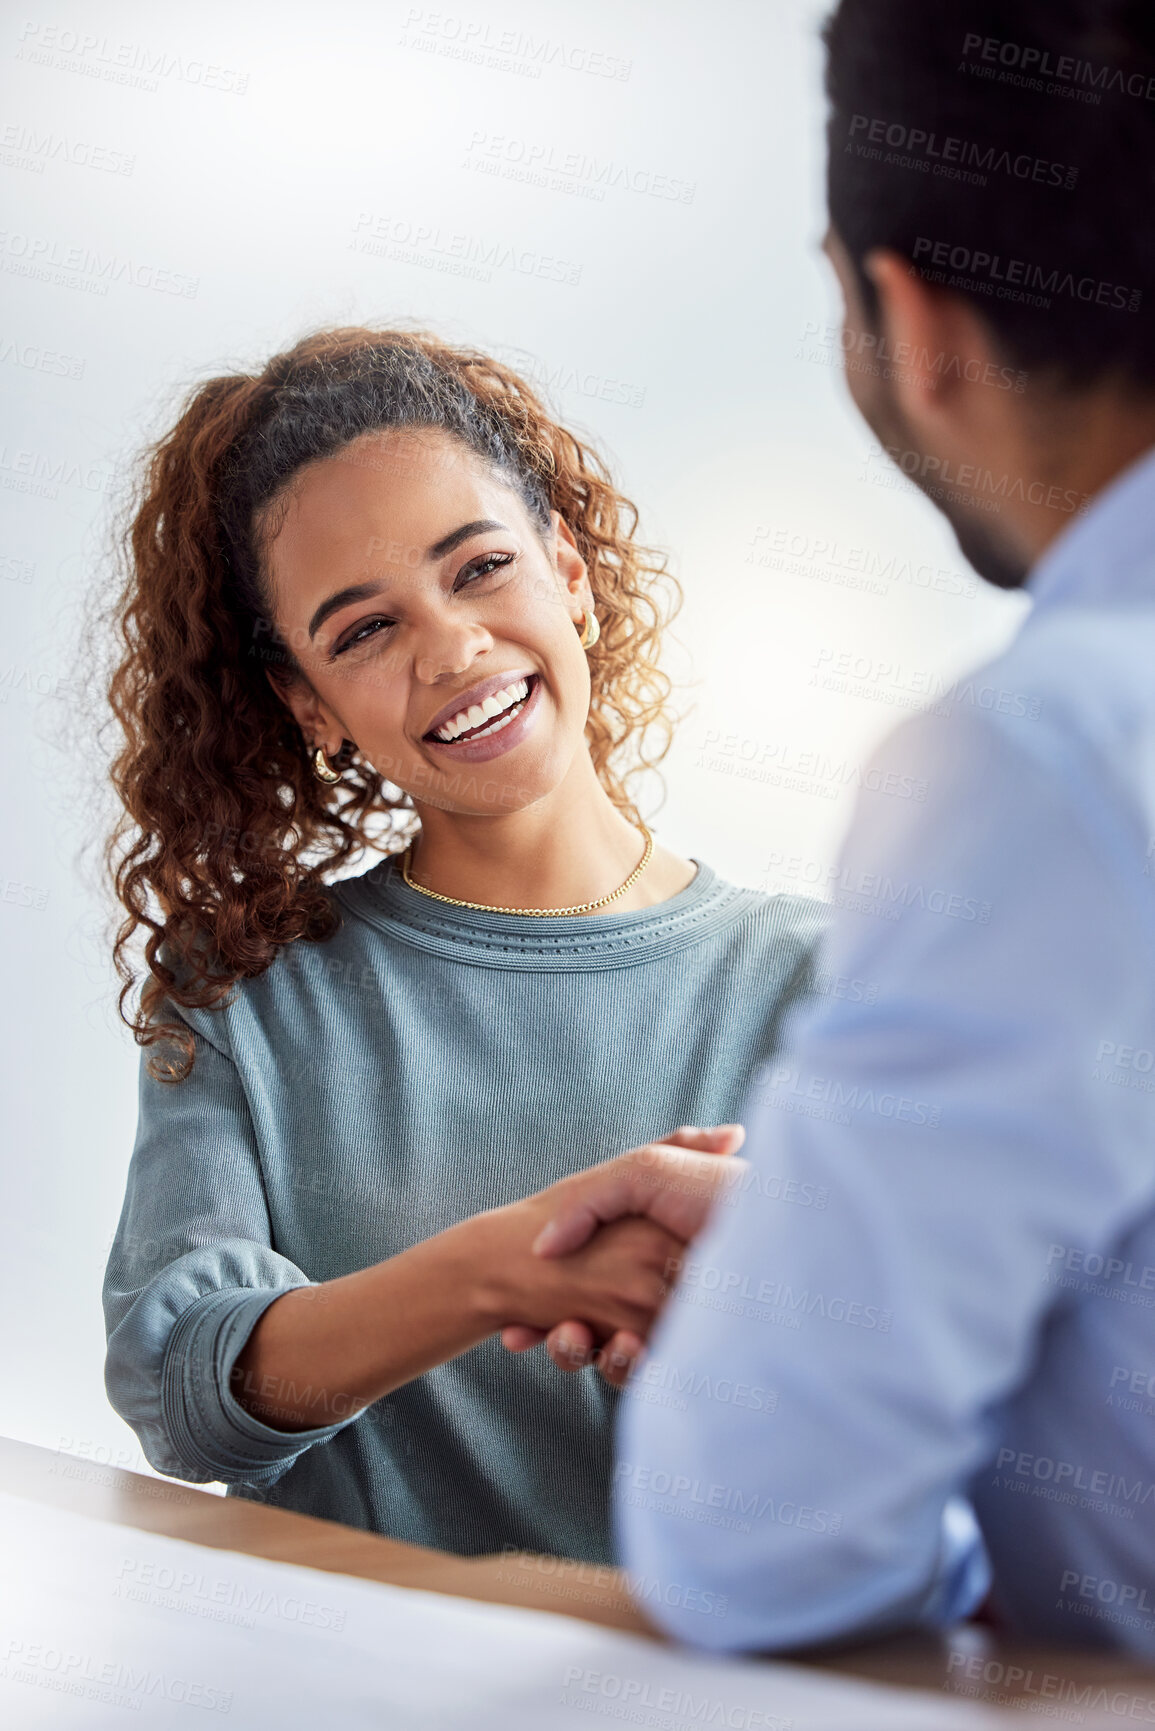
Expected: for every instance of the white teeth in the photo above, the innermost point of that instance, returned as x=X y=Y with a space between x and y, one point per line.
x=498 y=725
x=500 y=702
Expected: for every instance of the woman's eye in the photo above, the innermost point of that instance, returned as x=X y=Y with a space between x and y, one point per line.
x=362 y=634
x=481 y=568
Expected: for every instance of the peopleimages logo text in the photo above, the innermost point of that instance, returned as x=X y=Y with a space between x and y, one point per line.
x=1021 y=273
x=1097 y=1480
x=1065 y=68
x=960 y=153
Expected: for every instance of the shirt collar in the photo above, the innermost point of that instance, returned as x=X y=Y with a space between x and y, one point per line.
x=1108 y=552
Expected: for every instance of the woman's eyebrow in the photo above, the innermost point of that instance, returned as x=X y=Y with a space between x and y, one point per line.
x=448 y=542
x=342 y=598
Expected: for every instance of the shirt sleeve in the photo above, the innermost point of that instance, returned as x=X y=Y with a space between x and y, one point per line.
x=851 y=1324
x=190 y=1271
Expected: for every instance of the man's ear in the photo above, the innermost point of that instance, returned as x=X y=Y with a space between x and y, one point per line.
x=936 y=343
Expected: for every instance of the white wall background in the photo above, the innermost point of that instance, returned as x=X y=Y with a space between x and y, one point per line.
x=664 y=155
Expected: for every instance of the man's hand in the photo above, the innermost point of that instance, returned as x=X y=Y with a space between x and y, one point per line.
x=674 y=1183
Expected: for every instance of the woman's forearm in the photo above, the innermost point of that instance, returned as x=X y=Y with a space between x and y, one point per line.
x=320 y=1353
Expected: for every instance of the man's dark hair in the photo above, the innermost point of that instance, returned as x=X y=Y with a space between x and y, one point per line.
x=1007 y=149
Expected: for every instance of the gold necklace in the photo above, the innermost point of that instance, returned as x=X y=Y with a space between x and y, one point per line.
x=540 y=913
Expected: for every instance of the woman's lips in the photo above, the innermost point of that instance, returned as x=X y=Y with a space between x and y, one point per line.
x=503 y=735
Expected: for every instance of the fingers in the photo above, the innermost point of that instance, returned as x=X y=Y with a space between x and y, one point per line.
x=570 y=1345
x=720 y=1139
x=674 y=1186
x=611 y=1189
x=619 y=1356
x=575 y=1226
x=671 y=1268
x=519 y=1337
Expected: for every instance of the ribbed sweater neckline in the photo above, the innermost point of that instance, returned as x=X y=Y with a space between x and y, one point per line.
x=597 y=940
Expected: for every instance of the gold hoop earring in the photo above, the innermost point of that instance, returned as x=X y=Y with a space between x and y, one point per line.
x=589 y=630
x=322 y=768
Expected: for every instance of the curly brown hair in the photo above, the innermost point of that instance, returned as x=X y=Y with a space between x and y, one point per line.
x=224 y=834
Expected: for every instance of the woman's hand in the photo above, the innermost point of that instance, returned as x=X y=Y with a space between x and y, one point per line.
x=616 y=1282
x=656 y=1180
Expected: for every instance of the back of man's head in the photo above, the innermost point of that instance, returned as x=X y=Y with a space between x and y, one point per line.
x=1007 y=149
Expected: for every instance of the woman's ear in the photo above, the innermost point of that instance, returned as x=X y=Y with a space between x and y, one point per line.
x=571 y=567
x=310 y=714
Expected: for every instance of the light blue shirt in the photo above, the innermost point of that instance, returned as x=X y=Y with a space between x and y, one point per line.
x=940 y=1274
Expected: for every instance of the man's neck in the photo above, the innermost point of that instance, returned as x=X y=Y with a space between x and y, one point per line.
x=1070 y=450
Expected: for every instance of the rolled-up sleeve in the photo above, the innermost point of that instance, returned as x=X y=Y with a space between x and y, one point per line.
x=190 y=1271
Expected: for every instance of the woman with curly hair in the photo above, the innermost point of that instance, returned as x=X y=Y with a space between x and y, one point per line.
x=379 y=600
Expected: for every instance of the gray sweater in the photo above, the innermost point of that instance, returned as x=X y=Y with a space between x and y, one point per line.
x=364 y=1093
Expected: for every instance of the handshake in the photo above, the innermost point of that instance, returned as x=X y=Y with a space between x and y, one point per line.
x=586 y=1265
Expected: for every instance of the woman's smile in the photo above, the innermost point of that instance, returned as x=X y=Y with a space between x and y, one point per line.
x=489 y=719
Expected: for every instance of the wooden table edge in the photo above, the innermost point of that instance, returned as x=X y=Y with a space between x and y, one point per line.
x=590 y=1592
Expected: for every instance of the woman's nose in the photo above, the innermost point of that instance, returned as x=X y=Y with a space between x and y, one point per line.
x=445 y=651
